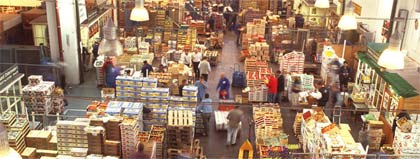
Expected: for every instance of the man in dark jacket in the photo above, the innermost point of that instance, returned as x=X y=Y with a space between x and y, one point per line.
x=280 y=85
x=344 y=76
x=146 y=69
x=325 y=92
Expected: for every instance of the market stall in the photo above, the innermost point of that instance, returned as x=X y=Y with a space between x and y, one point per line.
x=379 y=90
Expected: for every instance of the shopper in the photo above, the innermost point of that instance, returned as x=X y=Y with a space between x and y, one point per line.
x=210 y=24
x=272 y=89
x=164 y=61
x=183 y=83
x=196 y=58
x=202 y=87
x=95 y=53
x=325 y=92
x=235 y=117
x=223 y=87
x=140 y=153
x=296 y=89
x=185 y=59
x=146 y=69
x=111 y=72
x=238 y=29
x=204 y=68
x=344 y=76
x=206 y=109
x=280 y=85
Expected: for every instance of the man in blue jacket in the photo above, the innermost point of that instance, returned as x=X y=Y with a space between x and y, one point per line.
x=223 y=87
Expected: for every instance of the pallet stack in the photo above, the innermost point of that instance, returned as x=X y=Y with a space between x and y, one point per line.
x=96 y=139
x=180 y=131
x=129 y=137
x=57 y=100
x=260 y=50
x=17 y=133
x=157 y=100
x=37 y=95
x=7 y=119
x=71 y=134
x=129 y=86
x=167 y=30
x=375 y=133
x=292 y=62
x=200 y=25
x=157 y=135
x=297 y=126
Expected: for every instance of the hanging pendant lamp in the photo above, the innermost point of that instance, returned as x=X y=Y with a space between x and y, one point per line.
x=139 y=13
x=110 y=45
x=348 y=20
x=392 y=58
x=322 y=3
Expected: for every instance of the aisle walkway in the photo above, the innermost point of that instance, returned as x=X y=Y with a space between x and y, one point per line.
x=214 y=143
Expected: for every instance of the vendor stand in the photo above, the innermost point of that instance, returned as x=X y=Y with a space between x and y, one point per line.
x=387 y=92
x=322 y=137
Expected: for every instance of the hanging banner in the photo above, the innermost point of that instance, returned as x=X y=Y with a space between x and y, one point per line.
x=93 y=29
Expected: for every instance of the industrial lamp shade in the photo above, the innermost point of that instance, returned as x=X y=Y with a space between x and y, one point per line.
x=348 y=20
x=139 y=13
x=392 y=58
x=110 y=45
x=322 y=3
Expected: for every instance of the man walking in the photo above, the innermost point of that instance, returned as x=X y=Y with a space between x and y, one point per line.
x=186 y=59
x=204 y=68
x=235 y=117
x=223 y=86
x=196 y=58
x=206 y=109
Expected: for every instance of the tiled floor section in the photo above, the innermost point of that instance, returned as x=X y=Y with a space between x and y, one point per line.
x=214 y=143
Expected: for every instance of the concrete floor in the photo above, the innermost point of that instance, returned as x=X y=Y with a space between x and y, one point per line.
x=214 y=144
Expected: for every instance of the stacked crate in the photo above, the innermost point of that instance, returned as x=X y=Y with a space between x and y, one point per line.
x=167 y=30
x=16 y=140
x=71 y=134
x=157 y=100
x=297 y=126
x=18 y=130
x=292 y=62
x=375 y=132
x=96 y=139
x=180 y=130
x=129 y=137
x=112 y=128
x=7 y=119
x=112 y=148
x=160 y=17
x=40 y=139
x=157 y=135
x=58 y=100
x=29 y=153
x=261 y=50
x=126 y=109
x=200 y=25
x=37 y=95
x=129 y=86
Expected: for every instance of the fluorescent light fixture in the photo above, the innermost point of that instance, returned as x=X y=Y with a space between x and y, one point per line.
x=322 y=3
x=392 y=58
x=348 y=20
x=139 y=13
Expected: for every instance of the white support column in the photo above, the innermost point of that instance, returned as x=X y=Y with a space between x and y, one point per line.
x=69 y=40
x=52 y=30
